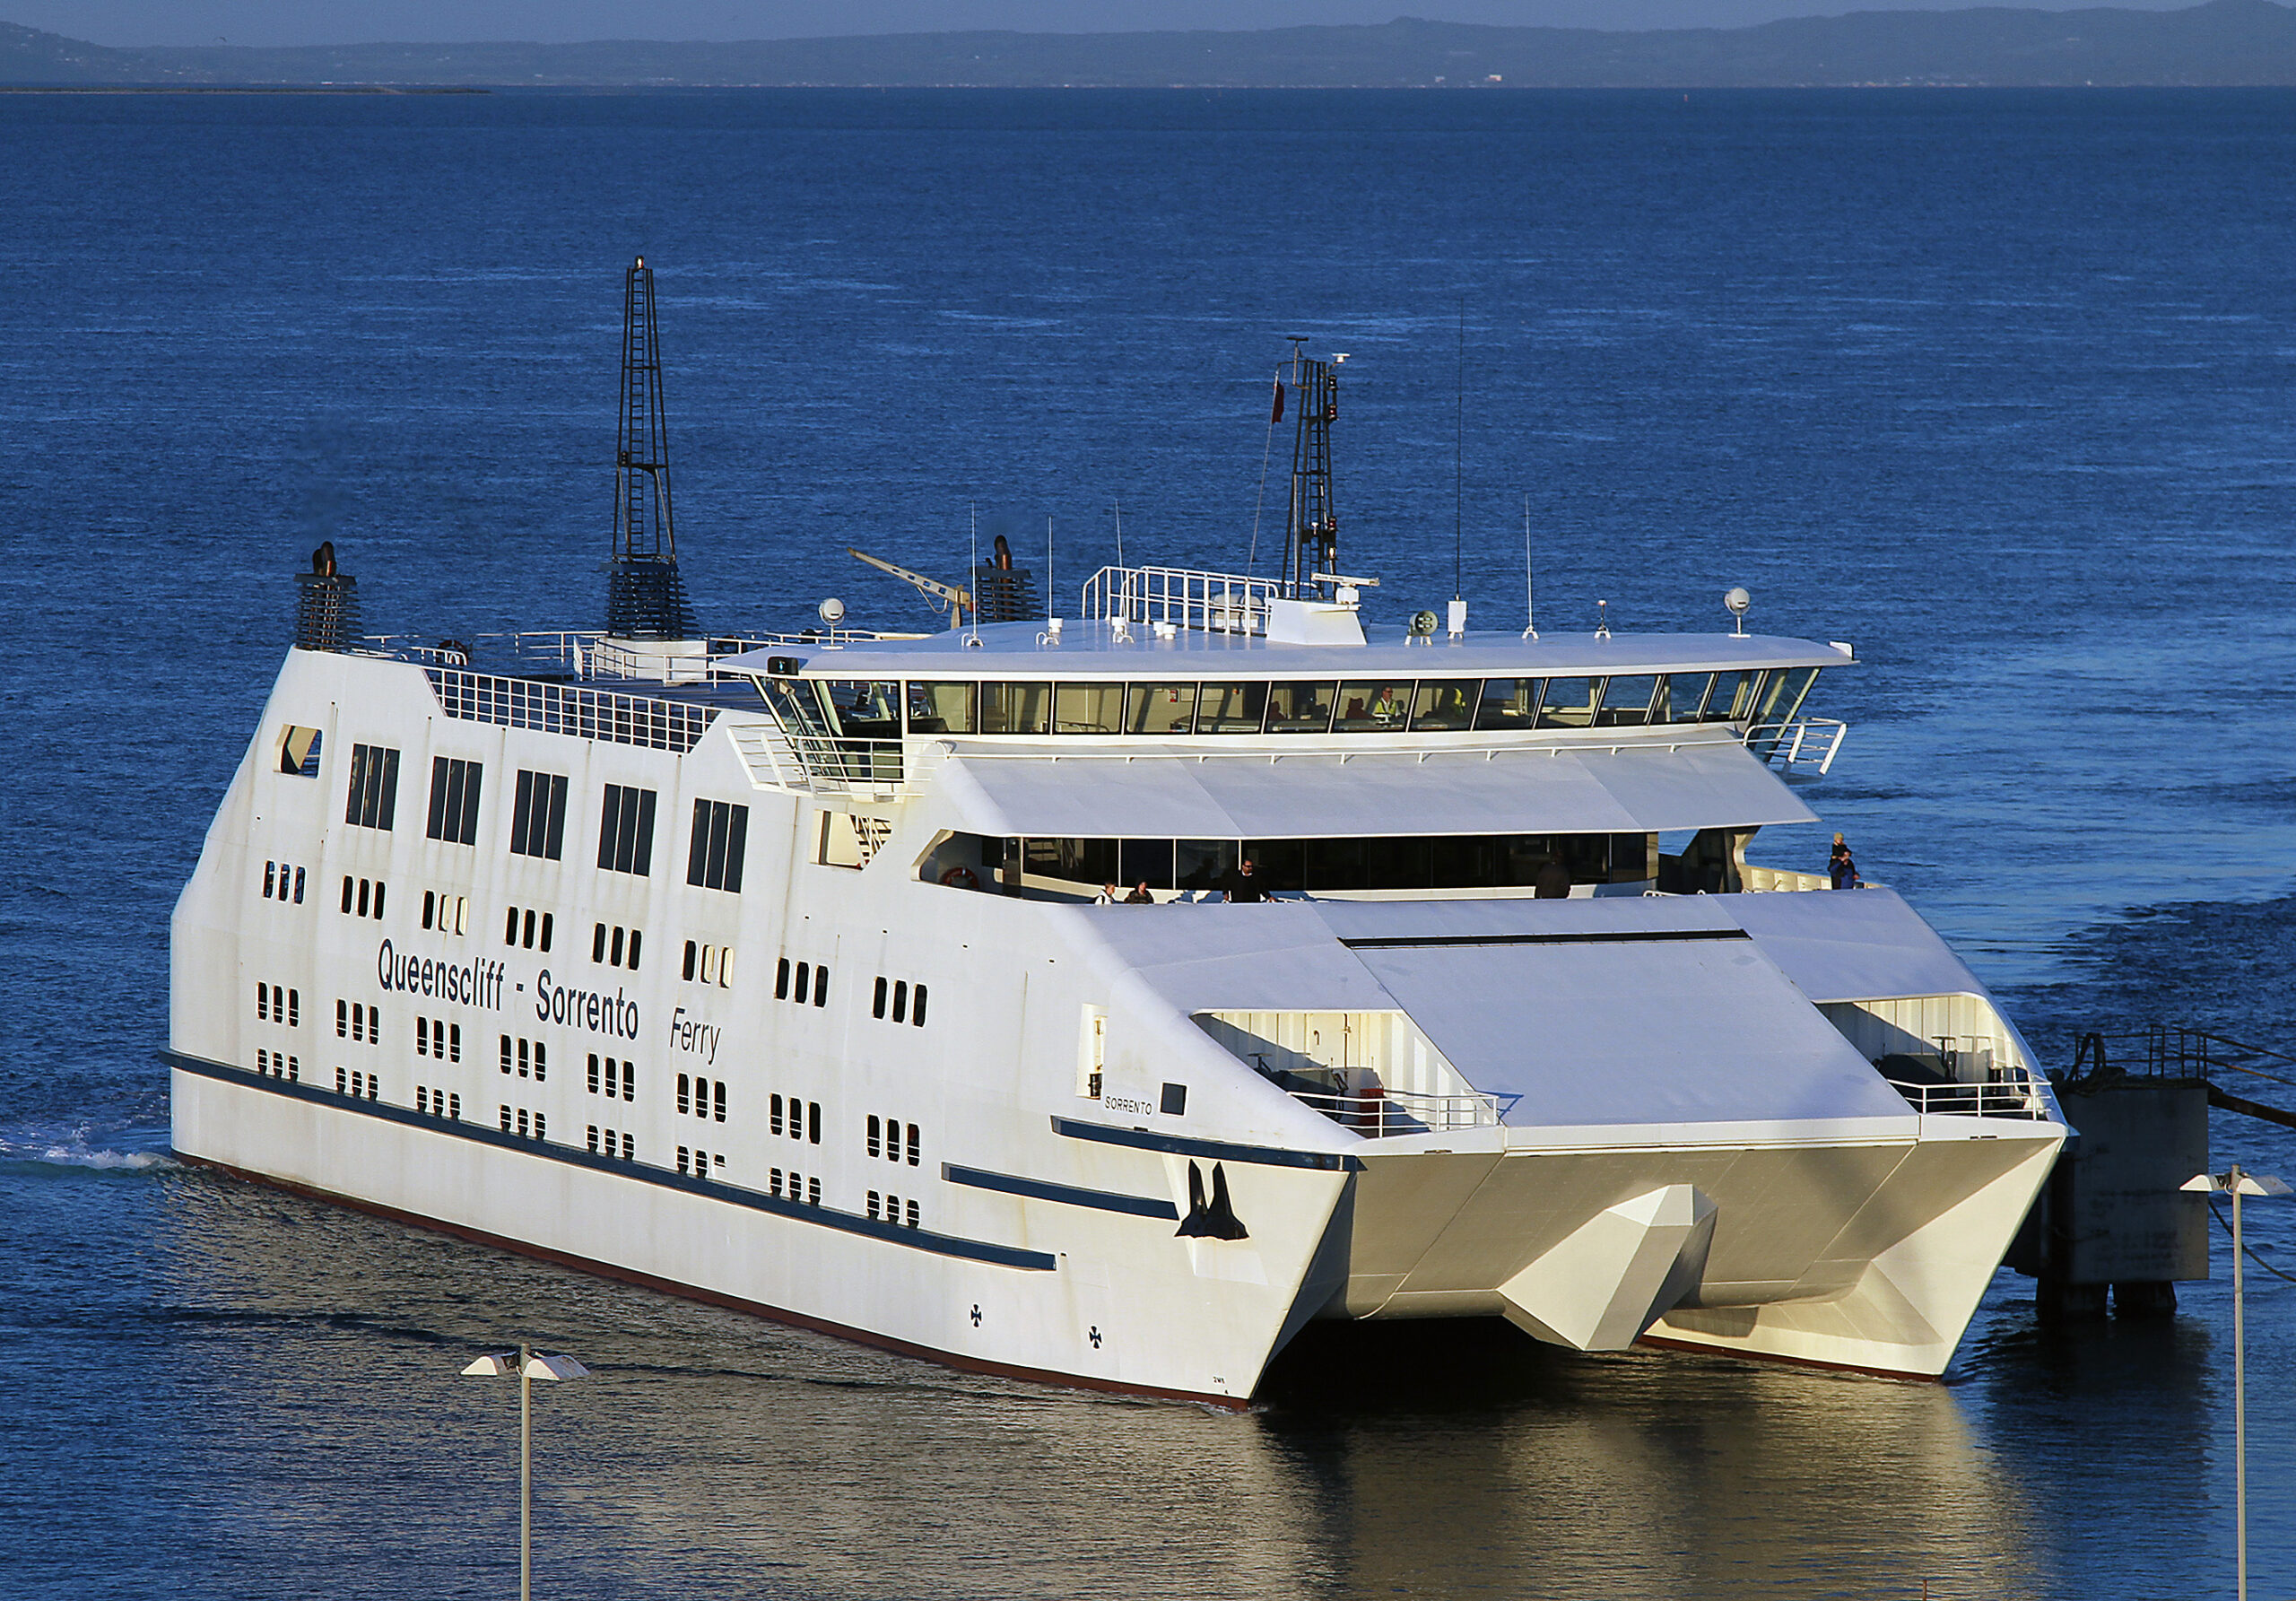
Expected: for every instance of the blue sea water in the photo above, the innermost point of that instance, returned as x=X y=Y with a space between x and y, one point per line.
x=1994 y=386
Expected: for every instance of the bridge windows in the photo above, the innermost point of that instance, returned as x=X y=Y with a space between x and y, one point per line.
x=626 y=831
x=714 y=857
x=373 y=798
x=1182 y=710
x=538 y=816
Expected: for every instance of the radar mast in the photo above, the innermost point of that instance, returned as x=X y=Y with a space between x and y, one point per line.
x=645 y=597
x=1314 y=542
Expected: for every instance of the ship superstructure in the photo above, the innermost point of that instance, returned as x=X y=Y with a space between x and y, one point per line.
x=778 y=972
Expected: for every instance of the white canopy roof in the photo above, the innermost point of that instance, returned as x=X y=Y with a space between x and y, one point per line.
x=1711 y=784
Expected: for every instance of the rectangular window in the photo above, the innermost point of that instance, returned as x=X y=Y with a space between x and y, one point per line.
x=298 y=751
x=873 y=1205
x=629 y=1147
x=1088 y=708
x=941 y=708
x=626 y=831
x=1015 y=707
x=454 y=800
x=917 y=1007
x=299 y=886
x=615 y=956
x=263 y=1003
x=270 y=877
x=1568 y=703
x=915 y=1145
x=594 y=1073
x=1444 y=706
x=1300 y=708
x=454 y=1042
x=875 y=1135
x=900 y=1000
x=430 y=906
x=1374 y=708
x=373 y=799
x=597 y=941
x=774 y=1113
x=1232 y=708
x=682 y=1092
x=631 y=963
x=422 y=1037
x=538 y=819
x=812 y=1192
x=780 y=975
x=1160 y=708
x=814 y=1122
x=717 y=1102
x=820 y=983
x=909 y=1219
x=878 y=1010
x=714 y=859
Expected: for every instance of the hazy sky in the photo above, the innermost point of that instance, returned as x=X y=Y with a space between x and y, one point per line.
x=349 y=22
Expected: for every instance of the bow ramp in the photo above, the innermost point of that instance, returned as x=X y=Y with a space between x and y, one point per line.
x=1791 y=1126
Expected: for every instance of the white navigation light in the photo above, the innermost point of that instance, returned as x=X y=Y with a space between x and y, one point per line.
x=1738 y=601
x=832 y=610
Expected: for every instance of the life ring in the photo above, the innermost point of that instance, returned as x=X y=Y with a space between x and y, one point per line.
x=960 y=878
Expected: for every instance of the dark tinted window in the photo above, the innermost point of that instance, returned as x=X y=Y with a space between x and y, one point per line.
x=626 y=831
x=538 y=816
x=374 y=787
x=454 y=800
x=720 y=832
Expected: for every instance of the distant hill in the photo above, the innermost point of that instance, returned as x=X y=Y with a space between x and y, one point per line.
x=2223 y=42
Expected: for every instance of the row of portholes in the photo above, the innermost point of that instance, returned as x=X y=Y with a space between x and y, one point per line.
x=602 y=1141
x=808 y=979
x=620 y=1078
x=278 y=1064
x=886 y=1138
x=437 y=1104
x=515 y=921
x=714 y=964
x=616 y=946
x=907 y=1007
x=699 y=1160
x=275 y=882
x=357 y=1086
x=892 y=1210
x=448 y=913
x=539 y=1129
x=802 y=1189
x=273 y=1004
x=531 y=1054
x=368 y=900
x=355 y=1020
x=439 y=1038
x=700 y=1097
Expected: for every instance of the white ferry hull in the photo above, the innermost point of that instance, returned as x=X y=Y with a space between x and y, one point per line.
x=1022 y=1225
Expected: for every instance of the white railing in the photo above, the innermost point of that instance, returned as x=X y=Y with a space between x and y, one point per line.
x=1379 y=1113
x=1224 y=603
x=2014 y=1097
x=1806 y=746
x=567 y=709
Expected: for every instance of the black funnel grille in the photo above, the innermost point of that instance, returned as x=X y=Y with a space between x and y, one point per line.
x=326 y=611
x=646 y=599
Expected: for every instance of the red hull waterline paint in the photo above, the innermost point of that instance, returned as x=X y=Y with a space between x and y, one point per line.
x=646 y=1280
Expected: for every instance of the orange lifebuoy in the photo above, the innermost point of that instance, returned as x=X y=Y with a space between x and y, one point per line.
x=960 y=878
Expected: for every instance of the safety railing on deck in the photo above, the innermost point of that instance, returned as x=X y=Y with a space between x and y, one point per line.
x=1216 y=602
x=1805 y=746
x=2016 y=1096
x=571 y=709
x=1379 y=1113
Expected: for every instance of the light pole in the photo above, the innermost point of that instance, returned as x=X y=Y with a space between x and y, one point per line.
x=529 y=1365
x=2235 y=1183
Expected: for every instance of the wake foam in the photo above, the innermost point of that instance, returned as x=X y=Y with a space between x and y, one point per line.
x=30 y=1149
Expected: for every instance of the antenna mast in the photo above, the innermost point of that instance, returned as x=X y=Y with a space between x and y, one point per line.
x=645 y=595
x=1315 y=526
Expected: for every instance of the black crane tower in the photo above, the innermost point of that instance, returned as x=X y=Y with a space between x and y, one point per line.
x=645 y=595
x=1315 y=526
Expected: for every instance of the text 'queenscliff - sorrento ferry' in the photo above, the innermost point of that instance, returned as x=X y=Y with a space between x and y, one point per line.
x=785 y=971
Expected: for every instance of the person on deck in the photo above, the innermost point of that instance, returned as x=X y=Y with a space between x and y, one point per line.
x=1140 y=895
x=1841 y=866
x=1244 y=886
x=1553 y=880
x=1108 y=896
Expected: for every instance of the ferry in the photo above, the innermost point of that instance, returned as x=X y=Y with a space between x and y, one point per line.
x=1101 y=998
